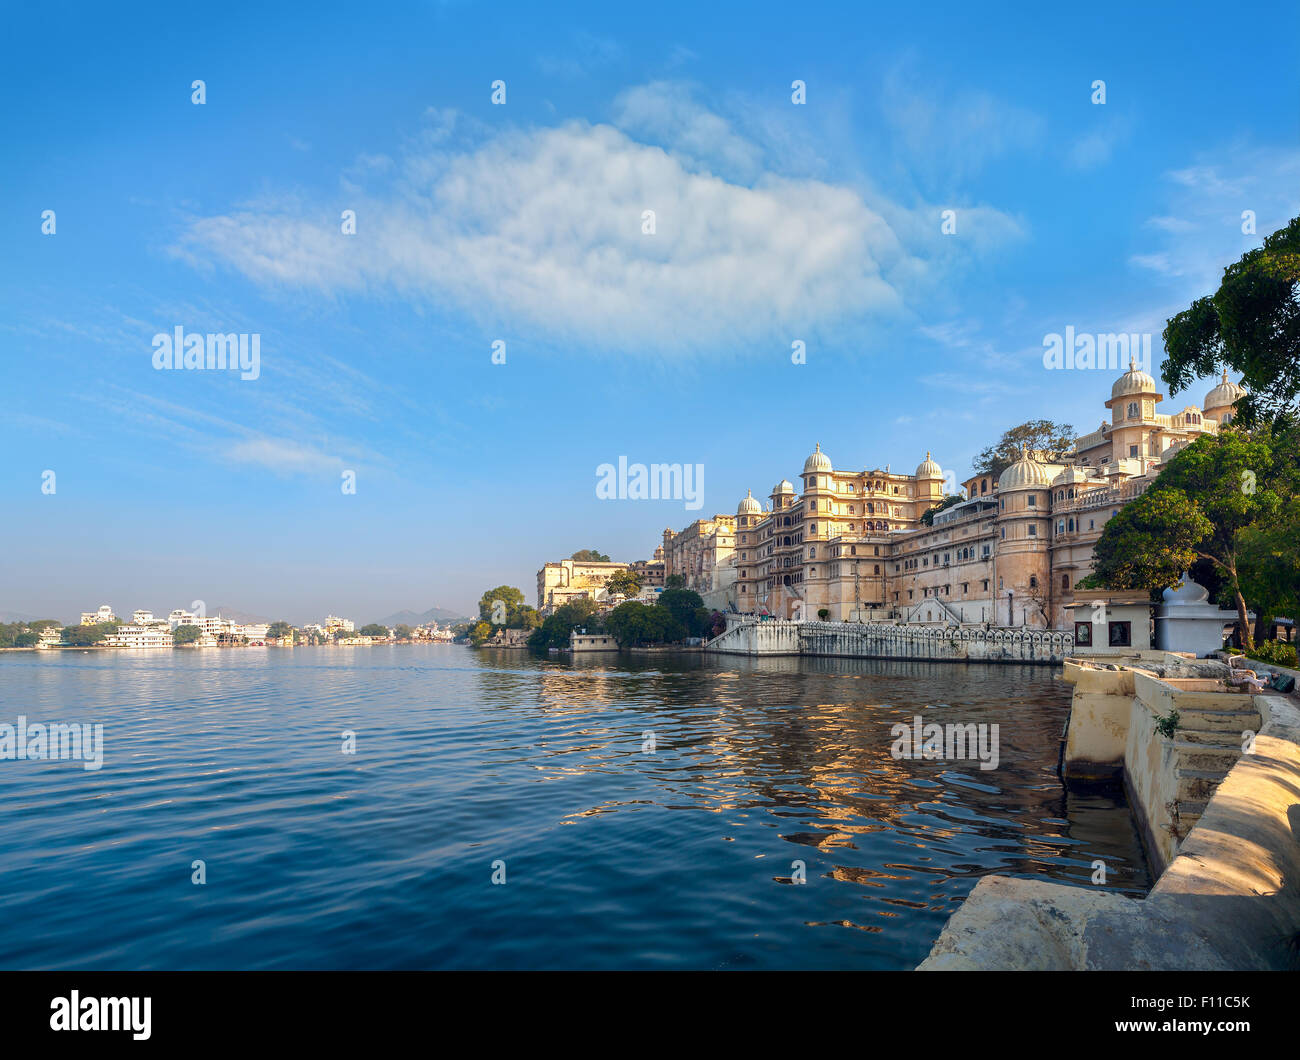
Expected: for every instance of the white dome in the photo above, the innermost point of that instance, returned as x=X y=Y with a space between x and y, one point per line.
x=1186 y=593
x=928 y=468
x=783 y=487
x=1225 y=394
x=748 y=506
x=1025 y=473
x=817 y=461
x=1133 y=381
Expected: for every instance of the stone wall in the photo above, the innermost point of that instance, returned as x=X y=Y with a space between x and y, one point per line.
x=871 y=641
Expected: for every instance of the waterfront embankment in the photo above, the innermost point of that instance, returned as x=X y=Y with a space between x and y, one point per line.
x=774 y=637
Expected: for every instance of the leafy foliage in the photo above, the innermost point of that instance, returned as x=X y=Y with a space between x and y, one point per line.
x=590 y=555
x=1219 y=500
x=1052 y=440
x=634 y=624
x=1275 y=652
x=558 y=625
x=687 y=608
x=16 y=634
x=186 y=634
x=624 y=582
x=1251 y=324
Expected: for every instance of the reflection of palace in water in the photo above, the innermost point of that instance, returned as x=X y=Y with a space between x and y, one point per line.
x=1011 y=553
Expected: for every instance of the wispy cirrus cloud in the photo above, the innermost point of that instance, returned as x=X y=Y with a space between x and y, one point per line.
x=952 y=133
x=1211 y=204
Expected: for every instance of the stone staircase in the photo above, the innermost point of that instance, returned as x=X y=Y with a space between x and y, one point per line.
x=1208 y=745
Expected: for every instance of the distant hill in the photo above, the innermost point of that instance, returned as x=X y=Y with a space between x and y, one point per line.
x=242 y=617
x=435 y=614
x=18 y=616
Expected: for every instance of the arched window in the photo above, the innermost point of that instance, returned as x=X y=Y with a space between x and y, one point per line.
x=1132 y=410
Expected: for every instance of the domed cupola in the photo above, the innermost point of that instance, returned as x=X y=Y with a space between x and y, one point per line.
x=748 y=506
x=1025 y=473
x=928 y=469
x=782 y=488
x=1071 y=476
x=1223 y=397
x=817 y=462
x=1133 y=382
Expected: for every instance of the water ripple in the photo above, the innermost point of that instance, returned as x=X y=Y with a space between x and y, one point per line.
x=688 y=856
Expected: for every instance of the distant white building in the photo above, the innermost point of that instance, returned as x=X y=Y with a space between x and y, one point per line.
x=155 y=635
x=254 y=632
x=51 y=637
x=104 y=614
x=181 y=617
x=142 y=618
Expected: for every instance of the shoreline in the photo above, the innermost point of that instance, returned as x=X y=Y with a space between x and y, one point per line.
x=218 y=647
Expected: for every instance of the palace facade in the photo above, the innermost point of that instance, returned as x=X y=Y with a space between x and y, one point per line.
x=852 y=543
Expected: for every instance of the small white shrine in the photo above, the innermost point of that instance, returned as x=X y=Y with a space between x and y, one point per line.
x=1186 y=620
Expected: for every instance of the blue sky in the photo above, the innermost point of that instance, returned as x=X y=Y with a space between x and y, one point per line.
x=522 y=222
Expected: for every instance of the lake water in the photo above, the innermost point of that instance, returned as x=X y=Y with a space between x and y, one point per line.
x=614 y=857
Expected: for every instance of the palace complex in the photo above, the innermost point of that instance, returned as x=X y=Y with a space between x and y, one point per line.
x=1011 y=553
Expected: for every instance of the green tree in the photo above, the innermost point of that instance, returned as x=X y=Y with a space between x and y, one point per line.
x=687 y=609
x=1149 y=544
x=186 y=634
x=1207 y=503
x=85 y=636
x=675 y=581
x=279 y=630
x=1251 y=325
x=590 y=555
x=501 y=607
x=633 y=624
x=374 y=629
x=481 y=632
x=403 y=631
x=1042 y=437
x=27 y=639
x=1269 y=568
x=624 y=582
x=559 y=624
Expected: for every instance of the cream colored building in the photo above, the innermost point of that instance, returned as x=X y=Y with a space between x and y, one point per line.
x=853 y=545
x=573 y=579
x=145 y=635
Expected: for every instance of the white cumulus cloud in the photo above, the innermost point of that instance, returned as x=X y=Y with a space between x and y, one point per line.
x=541 y=231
